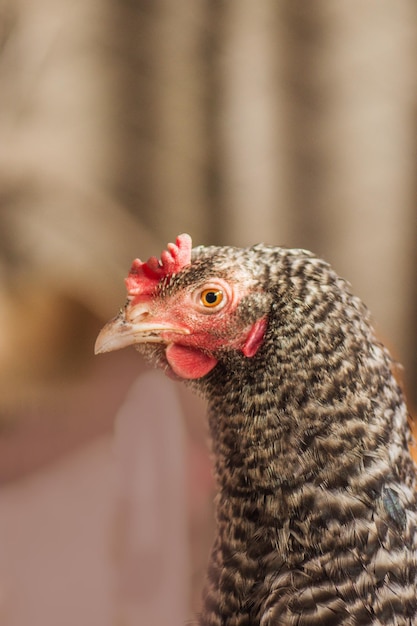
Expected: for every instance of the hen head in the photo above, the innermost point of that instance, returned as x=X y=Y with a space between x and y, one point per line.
x=191 y=308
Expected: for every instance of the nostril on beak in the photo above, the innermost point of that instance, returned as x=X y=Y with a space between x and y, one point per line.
x=137 y=314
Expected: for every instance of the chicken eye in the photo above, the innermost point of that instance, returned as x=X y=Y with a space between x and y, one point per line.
x=211 y=297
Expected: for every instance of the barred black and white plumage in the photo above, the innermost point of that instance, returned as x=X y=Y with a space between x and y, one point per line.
x=317 y=498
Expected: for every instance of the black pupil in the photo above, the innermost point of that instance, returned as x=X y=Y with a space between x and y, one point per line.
x=211 y=297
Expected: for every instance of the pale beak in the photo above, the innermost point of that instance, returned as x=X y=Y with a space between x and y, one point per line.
x=133 y=325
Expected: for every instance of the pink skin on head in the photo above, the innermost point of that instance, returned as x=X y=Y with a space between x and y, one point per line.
x=190 y=363
x=189 y=356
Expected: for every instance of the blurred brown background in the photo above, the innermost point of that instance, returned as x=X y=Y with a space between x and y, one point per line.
x=123 y=124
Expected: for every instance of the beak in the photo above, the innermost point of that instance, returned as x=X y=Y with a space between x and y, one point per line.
x=133 y=325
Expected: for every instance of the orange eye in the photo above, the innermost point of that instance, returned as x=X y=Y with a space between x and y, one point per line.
x=211 y=297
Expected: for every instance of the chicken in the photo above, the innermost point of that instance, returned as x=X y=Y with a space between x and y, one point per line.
x=316 y=509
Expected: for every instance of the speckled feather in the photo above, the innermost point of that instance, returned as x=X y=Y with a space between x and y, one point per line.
x=317 y=504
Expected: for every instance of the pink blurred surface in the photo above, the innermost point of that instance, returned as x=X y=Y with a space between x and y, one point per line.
x=102 y=521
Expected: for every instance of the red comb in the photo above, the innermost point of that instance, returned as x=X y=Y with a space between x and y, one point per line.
x=143 y=277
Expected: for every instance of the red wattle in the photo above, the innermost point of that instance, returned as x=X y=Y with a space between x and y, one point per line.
x=189 y=363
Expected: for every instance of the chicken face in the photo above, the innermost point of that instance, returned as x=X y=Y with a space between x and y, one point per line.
x=192 y=311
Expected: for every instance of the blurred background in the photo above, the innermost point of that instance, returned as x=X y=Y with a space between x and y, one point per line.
x=123 y=124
